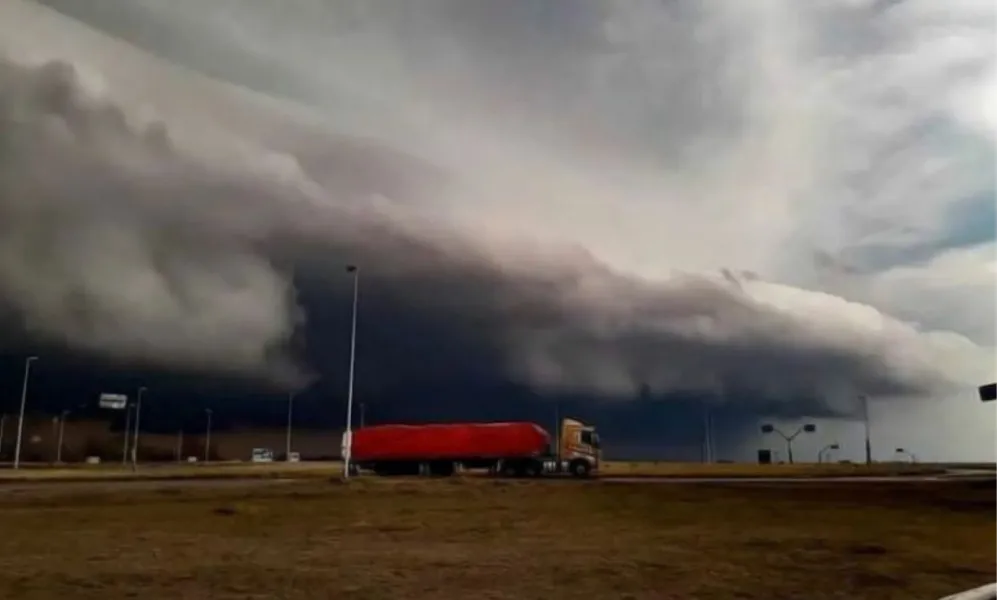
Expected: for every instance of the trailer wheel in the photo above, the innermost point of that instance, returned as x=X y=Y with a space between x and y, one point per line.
x=442 y=469
x=580 y=468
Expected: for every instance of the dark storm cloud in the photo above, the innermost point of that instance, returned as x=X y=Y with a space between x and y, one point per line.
x=213 y=239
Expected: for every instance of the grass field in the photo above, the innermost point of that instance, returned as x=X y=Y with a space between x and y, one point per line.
x=480 y=538
x=310 y=470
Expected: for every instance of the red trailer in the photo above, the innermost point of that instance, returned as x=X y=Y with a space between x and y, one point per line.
x=438 y=449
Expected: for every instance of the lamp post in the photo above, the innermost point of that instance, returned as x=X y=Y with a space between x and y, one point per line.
x=20 y=418
x=825 y=450
x=807 y=428
x=207 y=436
x=348 y=436
x=910 y=455
x=290 y=413
x=138 y=418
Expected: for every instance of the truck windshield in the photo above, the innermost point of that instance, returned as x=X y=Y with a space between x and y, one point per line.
x=590 y=438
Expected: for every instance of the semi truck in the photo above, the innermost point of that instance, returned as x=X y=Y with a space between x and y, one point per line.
x=507 y=449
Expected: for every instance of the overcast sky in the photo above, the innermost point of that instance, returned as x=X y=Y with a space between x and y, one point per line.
x=769 y=206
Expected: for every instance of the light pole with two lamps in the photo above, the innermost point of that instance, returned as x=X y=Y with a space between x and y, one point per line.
x=807 y=428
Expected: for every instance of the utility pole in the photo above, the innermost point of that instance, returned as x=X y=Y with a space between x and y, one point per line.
x=20 y=419
x=290 y=413
x=3 y=421
x=865 y=418
x=348 y=436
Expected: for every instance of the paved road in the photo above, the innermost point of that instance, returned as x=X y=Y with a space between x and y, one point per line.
x=136 y=484
x=951 y=474
x=250 y=482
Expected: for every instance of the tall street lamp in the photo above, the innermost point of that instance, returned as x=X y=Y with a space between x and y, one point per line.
x=20 y=418
x=348 y=436
x=807 y=428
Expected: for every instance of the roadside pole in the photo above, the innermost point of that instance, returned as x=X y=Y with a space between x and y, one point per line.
x=20 y=419
x=138 y=417
x=290 y=416
x=62 y=429
x=347 y=450
x=207 y=437
x=127 y=432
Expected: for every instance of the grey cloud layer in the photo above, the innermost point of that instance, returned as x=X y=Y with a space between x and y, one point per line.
x=138 y=243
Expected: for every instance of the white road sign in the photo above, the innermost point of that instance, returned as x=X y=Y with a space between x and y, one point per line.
x=114 y=401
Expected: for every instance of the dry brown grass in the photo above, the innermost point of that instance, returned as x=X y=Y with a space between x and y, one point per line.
x=479 y=538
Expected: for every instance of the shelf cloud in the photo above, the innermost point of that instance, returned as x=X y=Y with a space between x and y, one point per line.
x=160 y=212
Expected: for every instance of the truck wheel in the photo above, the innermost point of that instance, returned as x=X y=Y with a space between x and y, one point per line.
x=580 y=468
x=508 y=469
x=531 y=469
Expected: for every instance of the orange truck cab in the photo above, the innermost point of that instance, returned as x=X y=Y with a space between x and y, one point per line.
x=579 y=449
